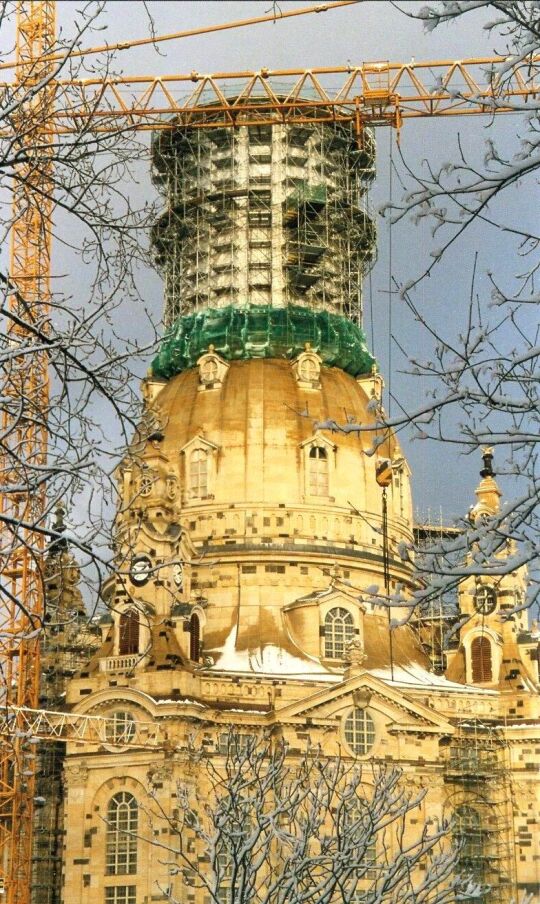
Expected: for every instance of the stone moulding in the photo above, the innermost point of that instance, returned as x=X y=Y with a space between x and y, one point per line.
x=261 y=331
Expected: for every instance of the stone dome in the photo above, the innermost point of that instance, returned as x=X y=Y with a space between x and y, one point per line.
x=273 y=501
x=257 y=425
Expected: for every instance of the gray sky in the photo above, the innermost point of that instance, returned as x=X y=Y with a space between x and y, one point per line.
x=442 y=478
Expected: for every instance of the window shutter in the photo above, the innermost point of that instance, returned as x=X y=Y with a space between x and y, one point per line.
x=129 y=633
x=481 y=659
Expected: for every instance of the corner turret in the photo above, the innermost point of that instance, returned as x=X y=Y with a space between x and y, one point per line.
x=68 y=638
x=495 y=649
x=488 y=494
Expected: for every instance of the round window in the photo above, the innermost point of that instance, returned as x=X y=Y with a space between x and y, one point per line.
x=359 y=730
x=120 y=727
x=485 y=600
x=209 y=370
x=146 y=484
x=309 y=369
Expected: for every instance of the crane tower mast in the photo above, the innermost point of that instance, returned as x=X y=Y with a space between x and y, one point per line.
x=24 y=428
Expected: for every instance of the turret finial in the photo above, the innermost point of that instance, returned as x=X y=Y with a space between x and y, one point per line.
x=60 y=513
x=487 y=458
x=58 y=527
x=487 y=491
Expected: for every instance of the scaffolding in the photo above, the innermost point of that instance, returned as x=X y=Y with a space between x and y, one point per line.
x=436 y=618
x=478 y=776
x=265 y=215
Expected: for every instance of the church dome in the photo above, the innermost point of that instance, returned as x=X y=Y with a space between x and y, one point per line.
x=259 y=428
x=272 y=498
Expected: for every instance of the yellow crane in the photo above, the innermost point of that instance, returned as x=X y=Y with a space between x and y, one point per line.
x=371 y=94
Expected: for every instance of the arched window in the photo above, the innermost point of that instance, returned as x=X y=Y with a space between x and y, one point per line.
x=194 y=637
x=120 y=727
x=129 y=632
x=481 y=659
x=318 y=471
x=359 y=826
x=359 y=731
x=121 y=843
x=338 y=632
x=198 y=472
x=469 y=838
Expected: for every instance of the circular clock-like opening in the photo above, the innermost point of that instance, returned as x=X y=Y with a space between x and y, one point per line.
x=140 y=570
x=485 y=600
x=178 y=574
x=145 y=486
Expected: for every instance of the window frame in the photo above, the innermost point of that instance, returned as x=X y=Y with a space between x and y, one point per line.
x=123 y=727
x=224 y=877
x=481 y=659
x=318 y=477
x=331 y=641
x=129 y=632
x=469 y=833
x=195 y=491
x=367 y=733
x=121 y=847
x=129 y=894
x=199 y=478
x=317 y=481
x=485 y=599
x=194 y=637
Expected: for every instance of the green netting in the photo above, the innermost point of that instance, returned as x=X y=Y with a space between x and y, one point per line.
x=260 y=331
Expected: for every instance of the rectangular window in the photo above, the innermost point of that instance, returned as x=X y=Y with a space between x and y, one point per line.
x=121 y=894
x=318 y=471
x=225 y=874
x=397 y=478
x=235 y=744
x=199 y=473
x=369 y=861
x=121 y=841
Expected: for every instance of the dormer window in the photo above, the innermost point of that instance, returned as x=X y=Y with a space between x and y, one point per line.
x=318 y=459
x=212 y=370
x=307 y=369
x=209 y=370
x=199 y=464
x=198 y=473
x=338 y=632
x=318 y=471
